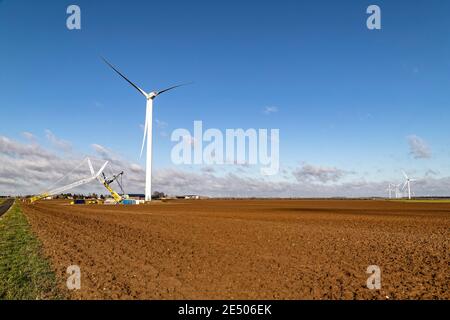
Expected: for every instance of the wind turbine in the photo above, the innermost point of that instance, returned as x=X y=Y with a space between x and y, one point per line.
x=408 y=184
x=389 y=189
x=397 y=190
x=147 y=129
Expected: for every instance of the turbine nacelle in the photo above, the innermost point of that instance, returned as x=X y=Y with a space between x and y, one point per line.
x=152 y=95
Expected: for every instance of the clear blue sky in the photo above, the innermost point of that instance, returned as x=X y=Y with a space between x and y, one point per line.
x=346 y=96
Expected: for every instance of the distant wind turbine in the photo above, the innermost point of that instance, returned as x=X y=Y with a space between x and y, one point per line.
x=397 y=190
x=408 y=184
x=147 y=129
x=389 y=189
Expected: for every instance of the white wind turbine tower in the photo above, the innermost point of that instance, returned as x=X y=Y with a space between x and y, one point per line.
x=397 y=190
x=147 y=129
x=408 y=184
x=389 y=189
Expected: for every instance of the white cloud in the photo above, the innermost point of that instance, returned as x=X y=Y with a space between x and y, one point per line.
x=14 y=148
x=28 y=168
x=29 y=136
x=102 y=151
x=269 y=110
x=311 y=173
x=431 y=172
x=418 y=147
x=57 y=142
x=98 y=104
x=161 y=124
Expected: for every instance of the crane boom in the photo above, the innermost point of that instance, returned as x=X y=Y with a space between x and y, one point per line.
x=69 y=186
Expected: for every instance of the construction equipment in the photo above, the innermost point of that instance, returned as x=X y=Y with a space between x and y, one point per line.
x=72 y=185
x=107 y=183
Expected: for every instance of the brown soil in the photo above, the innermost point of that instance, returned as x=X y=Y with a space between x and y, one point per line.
x=239 y=249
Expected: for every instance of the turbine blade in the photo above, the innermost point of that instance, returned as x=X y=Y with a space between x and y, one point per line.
x=404 y=173
x=91 y=168
x=404 y=186
x=120 y=74
x=101 y=170
x=180 y=85
x=145 y=131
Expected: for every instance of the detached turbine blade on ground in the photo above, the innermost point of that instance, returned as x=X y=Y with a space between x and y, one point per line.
x=120 y=74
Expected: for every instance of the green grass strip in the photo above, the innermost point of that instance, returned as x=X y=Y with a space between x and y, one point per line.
x=424 y=201
x=24 y=272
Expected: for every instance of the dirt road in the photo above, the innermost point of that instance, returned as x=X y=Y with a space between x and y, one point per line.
x=211 y=249
x=5 y=205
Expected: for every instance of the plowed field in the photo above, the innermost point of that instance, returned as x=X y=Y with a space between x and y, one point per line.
x=249 y=249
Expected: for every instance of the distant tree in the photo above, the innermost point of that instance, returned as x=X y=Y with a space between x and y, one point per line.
x=158 y=195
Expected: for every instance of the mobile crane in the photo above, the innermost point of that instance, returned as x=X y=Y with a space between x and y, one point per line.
x=107 y=183
x=72 y=185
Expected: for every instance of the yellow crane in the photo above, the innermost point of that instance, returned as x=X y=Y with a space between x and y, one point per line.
x=107 y=183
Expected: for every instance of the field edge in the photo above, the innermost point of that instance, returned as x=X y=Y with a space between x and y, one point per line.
x=25 y=273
